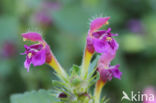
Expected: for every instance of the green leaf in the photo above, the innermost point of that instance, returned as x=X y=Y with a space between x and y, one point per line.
x=59 y=84
x=104 y=100
x=41 y=96
x=75 y=70
x=92 y=67
x=93 y=80
x=76 y=81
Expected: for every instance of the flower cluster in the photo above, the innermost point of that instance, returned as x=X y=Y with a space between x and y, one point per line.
x=75 y=86
x=101 y=41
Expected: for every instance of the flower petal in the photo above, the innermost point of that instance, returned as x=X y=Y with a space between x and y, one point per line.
x=37 y=46
x=39 y=58
x=27 y=64
x=114 y=45
x=33 y=36
x=115 y=71
x=98 y=23
x=100 y=46
x=99 y=33
x=105 y=75
x=106 y=58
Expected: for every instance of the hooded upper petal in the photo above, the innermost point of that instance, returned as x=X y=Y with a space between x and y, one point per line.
x=98 y=23
x=33 y=36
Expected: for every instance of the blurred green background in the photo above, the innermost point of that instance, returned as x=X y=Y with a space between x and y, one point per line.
x=64 y=25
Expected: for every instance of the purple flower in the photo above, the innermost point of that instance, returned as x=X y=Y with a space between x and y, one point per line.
x=101 y=40
x=115 y=71
x=36 y=54
x=106 y=71
x=94 y=26
x=106 y=74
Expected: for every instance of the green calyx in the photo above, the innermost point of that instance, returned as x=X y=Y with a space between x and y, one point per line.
x=75 y=88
